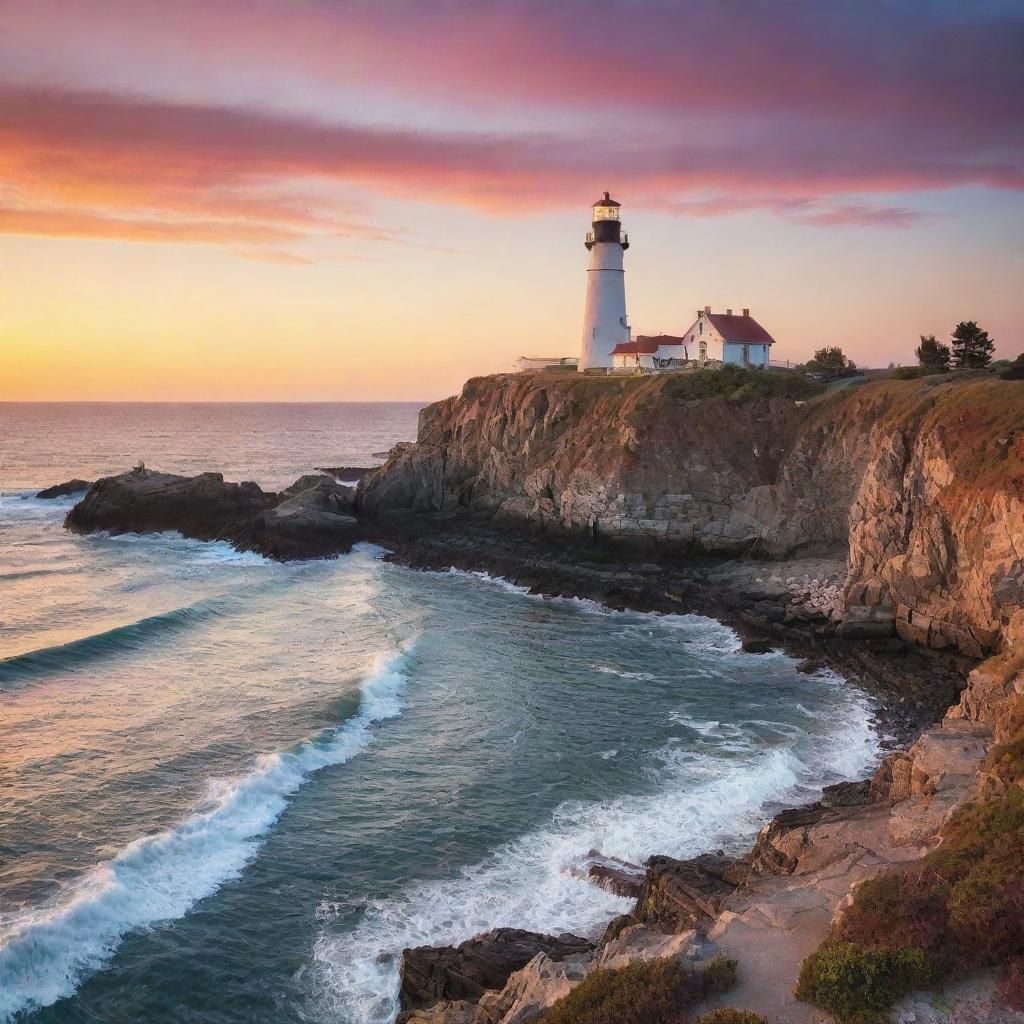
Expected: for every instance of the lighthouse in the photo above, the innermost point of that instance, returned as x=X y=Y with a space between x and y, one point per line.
x=604 y=318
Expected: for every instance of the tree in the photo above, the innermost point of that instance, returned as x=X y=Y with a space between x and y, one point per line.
x=1014 y=370
x=932 y=354
x=972 y=347
x=830 y=361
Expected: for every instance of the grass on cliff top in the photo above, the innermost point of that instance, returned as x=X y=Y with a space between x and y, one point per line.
x=733 y=382
x=736 y=383
x=958 y=910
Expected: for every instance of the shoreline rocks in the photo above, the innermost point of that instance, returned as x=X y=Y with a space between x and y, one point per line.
x=461 y=974
x=308 y=520
x=65 y=489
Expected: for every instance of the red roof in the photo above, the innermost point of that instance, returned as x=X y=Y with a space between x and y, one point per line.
x=740 y=328
x=642 y=346
x=661 y=339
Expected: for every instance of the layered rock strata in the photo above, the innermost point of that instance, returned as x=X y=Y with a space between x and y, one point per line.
x=923 y=480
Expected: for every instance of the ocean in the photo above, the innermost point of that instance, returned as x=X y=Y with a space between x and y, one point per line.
x=234 y=791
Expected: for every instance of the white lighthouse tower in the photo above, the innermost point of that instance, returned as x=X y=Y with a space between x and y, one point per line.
x=604 y=318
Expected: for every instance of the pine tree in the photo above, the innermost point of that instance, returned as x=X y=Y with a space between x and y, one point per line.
x=972 y=347
x=932 y=354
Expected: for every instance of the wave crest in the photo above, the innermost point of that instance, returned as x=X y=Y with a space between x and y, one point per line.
x=45 y=952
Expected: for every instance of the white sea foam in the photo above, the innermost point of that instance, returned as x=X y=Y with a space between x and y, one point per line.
x=705 y=803
x=708 y=636
x=611 y=670
x=45 y=952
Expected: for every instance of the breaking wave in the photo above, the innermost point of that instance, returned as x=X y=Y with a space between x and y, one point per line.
x=705 y=803
x=45 y=952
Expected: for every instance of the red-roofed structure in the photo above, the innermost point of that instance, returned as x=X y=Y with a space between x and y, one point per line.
x=729 y=338
x=740 y=329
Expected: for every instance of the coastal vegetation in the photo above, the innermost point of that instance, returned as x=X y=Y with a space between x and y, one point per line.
x=1013 y=370
x=642 y=992
x=972 y=346
x=831 y=362
x=932 y=354
x=956 y=911
x=728 y=1015
x=738 y=384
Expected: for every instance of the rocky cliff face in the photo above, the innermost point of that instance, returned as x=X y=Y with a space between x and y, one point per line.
x=923 y=479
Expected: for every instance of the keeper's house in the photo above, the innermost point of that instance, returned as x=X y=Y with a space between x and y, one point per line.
x=729 y=338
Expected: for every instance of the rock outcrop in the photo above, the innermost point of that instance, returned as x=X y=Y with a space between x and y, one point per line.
x=680 y=895
x=65 y=489
x=308 y=520
x=462 y=974
x=924 y=480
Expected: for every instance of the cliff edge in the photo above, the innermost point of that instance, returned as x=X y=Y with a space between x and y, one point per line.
x=922 y=480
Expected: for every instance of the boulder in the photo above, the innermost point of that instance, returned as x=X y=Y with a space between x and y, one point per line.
x=530 y=991
x=446 y=1012
x=430 y=974
x=63 y=490
x=610 y=873
x=679 y=895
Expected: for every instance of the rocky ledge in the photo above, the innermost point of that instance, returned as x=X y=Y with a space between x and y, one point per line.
x=309 y=519
x=772 y=907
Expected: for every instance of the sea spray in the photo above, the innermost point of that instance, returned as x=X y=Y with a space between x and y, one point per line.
x=704 y=802
x=45 y=952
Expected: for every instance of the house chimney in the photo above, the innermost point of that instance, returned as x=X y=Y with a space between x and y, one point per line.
x=746 y=312
x=707 y=309
x=728 y=312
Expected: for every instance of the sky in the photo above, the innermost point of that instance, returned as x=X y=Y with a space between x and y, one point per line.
x=303 y=200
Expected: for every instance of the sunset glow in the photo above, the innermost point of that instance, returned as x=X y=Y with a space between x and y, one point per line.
x=273 y=200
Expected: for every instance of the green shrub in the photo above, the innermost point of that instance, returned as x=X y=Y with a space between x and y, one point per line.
x=643 y=992
x=720 y=974
x=728 y=1015
x=911 y=372
x=739 y=383
x=1014 y=370
x=857 y=985
x=957 y=910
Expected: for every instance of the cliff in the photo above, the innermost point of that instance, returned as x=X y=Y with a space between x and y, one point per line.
x=923 y=479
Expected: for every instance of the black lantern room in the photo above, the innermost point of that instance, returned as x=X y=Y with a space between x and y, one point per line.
x=606 y=224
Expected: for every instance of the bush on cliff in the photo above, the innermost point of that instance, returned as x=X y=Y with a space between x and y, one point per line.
x=738 y=383
x=960 y=908
x=1013 y=370
x=857 y=985
x=642 y=992
x=727 y=1015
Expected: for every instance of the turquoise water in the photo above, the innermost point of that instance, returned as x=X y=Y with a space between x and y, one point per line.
x=238 y=789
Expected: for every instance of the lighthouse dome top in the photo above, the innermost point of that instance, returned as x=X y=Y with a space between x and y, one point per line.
x=606 y=201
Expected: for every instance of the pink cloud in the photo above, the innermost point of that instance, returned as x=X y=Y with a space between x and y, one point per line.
x=705 y=111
